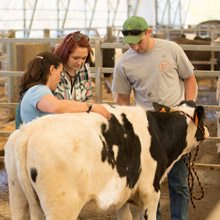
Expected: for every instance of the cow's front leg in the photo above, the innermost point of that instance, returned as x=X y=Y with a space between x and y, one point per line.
x=124 y=212
x=149 y=209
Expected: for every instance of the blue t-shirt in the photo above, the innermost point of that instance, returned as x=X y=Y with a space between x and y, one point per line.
x=29 y=102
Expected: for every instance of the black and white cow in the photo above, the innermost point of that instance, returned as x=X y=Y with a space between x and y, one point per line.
x=58 y=164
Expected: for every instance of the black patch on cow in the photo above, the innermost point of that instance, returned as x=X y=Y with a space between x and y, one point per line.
x=200 y=114
x=122 y=135
x=159 y=107
x=190 y=103
x=112 y=106
x=168 y=131
x=145 y=215
x=33 y=174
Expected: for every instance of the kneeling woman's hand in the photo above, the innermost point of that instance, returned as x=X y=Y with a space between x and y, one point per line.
x=97 y=108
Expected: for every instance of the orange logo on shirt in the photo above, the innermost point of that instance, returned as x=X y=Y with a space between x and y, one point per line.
x=164 y=66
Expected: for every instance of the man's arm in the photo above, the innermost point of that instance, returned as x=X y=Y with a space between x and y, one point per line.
x=191 y=88
x=123 y=99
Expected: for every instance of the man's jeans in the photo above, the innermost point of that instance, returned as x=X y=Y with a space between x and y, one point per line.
x=178 y=190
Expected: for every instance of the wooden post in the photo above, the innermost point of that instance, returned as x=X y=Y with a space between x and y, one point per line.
x=98 y=77
x=12 y=66
x=13 y=91
x=108 y=56
x=11 y=33
x=110 y=37
x=46 y=33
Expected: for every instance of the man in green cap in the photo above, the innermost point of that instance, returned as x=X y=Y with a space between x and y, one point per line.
x=158 y=71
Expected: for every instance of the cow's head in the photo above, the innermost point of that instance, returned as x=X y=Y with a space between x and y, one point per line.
x=194 y=115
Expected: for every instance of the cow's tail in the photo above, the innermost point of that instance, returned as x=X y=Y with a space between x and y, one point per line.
x=9 y=150
x=25 y=181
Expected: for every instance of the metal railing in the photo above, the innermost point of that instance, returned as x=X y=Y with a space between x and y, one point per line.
x=98 y=70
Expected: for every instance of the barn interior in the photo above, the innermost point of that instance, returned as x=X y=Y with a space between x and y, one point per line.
x=28 y=27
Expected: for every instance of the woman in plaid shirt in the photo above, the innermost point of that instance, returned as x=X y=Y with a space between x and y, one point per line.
x=75 y=82
x=36 y=90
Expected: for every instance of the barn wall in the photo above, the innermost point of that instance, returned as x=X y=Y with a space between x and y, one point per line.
x=27 y=51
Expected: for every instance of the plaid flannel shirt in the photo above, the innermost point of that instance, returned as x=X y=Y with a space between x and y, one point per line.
x=82 y=88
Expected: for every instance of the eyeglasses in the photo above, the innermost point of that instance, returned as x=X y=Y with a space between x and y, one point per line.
x=133 y=32
x=77 y=36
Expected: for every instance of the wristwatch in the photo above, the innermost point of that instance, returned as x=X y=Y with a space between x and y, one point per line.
x=89 y=106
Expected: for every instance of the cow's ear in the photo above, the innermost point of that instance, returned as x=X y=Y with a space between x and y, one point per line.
x=190 y=103
x=199 y=115
x=160 y=108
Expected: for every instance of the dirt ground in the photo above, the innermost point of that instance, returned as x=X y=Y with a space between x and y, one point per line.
x=208 y=175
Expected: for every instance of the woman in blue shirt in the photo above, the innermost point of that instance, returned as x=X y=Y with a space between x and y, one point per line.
x=37 y=86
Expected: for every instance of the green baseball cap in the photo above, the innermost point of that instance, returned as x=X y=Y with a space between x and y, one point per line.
x=134 y=23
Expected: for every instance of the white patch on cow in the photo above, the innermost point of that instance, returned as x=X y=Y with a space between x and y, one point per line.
x=115 y=150
x=190 y=36
x=217 y=40
x=111 y=194
x=184 y=108
x=118 y=53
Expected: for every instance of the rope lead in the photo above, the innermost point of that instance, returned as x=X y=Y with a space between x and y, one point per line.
x=190 y=177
